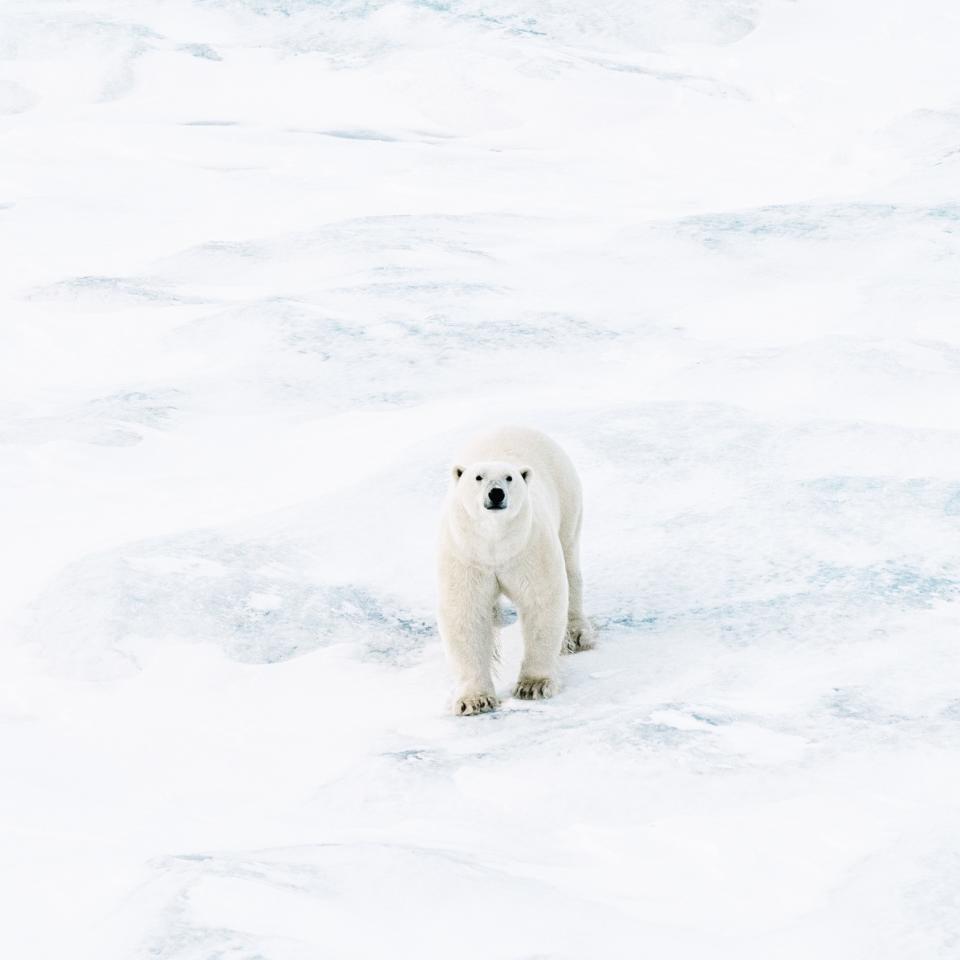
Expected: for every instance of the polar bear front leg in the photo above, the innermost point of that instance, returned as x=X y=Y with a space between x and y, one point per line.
x=543 y=618
x=468 y=626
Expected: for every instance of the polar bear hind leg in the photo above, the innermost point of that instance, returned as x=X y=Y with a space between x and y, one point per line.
x=579 y=634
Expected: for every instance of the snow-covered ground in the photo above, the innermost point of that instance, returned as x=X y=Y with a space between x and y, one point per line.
x=264 y=263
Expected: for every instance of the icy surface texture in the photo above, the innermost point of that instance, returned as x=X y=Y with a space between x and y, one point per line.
x=265 y=263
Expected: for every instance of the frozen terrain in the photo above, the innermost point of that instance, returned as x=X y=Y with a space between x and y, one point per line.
x=264 y=263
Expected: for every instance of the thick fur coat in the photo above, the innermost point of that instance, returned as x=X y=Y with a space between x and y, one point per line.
x=511 y=526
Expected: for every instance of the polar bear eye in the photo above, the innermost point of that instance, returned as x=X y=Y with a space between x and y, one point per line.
x=509 y=479
x=479 y=478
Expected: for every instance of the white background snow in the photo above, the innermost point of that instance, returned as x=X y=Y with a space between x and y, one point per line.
x=263 y=265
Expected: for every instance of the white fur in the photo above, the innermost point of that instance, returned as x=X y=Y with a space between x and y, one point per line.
x=527 y=551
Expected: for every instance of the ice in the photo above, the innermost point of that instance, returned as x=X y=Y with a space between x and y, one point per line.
x=266 y=263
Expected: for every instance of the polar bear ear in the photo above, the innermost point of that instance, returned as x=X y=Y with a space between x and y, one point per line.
x=457 y=473
x=525 y=473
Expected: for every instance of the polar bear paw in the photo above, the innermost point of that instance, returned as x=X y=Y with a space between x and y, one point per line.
x=475 y=703
x=579 y=637
x=534 y=688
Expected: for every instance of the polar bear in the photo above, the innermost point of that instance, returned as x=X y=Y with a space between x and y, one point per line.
x=511 y=525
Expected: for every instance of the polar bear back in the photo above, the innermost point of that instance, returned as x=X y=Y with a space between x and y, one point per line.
x=553 y=475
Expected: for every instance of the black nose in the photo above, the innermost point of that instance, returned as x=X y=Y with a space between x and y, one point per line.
x=496 y=495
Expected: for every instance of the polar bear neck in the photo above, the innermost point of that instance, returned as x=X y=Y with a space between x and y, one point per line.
x=490 y=542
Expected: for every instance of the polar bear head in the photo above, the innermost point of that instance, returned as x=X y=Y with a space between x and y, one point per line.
x=491 y=489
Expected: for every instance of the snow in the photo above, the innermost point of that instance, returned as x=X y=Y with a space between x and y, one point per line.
x=265 y=263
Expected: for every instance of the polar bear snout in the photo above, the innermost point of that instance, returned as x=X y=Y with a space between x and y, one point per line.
x=483 y=487
x=496 y=499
